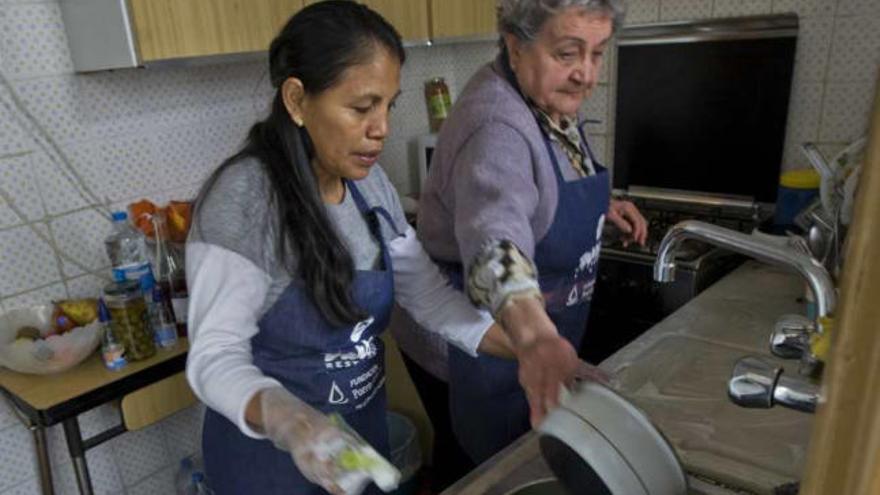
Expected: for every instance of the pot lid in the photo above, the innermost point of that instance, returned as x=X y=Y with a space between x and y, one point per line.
x=597 y=442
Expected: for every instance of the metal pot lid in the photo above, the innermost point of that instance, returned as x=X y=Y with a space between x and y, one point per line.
x=599 y=443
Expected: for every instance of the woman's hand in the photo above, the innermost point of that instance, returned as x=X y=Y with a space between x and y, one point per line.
x=627 y=218
x=313 y=440
x=546 y=365
x=547 y=361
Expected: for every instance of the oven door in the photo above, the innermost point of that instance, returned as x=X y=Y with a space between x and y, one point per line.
x=628 y=301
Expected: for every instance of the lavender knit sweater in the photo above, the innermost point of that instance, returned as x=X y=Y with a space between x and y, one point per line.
x=490 y=178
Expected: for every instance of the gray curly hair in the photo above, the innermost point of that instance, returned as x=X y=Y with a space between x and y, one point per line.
x=524 y=18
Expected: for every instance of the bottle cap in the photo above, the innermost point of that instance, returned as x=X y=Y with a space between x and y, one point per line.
x=123 y=288
x=119 y=215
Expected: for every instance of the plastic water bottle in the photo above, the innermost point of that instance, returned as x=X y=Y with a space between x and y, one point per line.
x=164 y=325
x=112 y=351
x=127 y=251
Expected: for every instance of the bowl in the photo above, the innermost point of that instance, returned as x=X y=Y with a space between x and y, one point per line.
x=49 y=353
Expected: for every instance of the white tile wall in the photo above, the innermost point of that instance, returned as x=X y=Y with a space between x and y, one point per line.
x=642 y=11
x=813 y=46
x=13 y=138
x=157 y=132
x=676 y=10
x=18 y=181
x=846 y=110
x=26 y=262
x=804 y=8
x=58 y=188
x=733 y=8
x=33 y=42
x=855 y=50
x=183 y=432
x=81 y=235
x=16 y=457
x=140 y=453
x=858 y=7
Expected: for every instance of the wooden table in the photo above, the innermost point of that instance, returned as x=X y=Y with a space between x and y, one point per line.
x=45 y=400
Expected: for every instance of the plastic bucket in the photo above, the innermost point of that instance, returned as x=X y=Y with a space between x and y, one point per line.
x=406 y=454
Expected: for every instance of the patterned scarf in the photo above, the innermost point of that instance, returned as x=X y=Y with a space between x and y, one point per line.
x=567 y=135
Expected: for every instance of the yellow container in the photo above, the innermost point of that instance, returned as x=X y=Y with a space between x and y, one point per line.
x=805 y=178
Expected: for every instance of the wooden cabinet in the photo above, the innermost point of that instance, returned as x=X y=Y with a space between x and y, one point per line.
x=113 y=34
x=409 y=17
x=462 y=18
x=168 y=29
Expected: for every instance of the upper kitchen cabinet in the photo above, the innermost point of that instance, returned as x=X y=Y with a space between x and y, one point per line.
x=410 y=17
x=108 y=34
x=462 y=18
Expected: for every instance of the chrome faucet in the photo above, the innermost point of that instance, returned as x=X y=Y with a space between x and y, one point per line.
x=815 y=274
x=755 y=383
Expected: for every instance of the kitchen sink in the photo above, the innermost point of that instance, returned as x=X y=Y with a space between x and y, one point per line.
x=681 y=383
x=549 y=486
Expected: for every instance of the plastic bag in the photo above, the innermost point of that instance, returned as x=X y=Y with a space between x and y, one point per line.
x=49 y=353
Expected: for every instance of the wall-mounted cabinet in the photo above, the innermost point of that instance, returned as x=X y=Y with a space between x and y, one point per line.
x=462 y=18
x=421 y=20
x=108 y=34
x=410 y=17
x=112 y=34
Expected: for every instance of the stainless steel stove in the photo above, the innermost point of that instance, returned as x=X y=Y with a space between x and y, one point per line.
x=700 y=120
x=627 y=301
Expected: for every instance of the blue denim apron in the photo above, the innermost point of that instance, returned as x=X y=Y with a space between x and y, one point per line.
x=489 y=407
x=334 y=369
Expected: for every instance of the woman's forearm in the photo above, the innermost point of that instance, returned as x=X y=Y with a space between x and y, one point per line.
x=497 y=343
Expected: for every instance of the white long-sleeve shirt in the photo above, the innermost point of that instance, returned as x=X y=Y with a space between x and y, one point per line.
x=234 y=277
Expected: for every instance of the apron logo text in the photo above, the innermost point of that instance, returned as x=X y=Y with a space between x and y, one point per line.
x=362 y=351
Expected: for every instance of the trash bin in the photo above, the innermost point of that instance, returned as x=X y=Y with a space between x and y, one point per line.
x=406 y=454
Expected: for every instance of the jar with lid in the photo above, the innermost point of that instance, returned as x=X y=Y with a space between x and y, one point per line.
x=438 y=100
x=129 y=319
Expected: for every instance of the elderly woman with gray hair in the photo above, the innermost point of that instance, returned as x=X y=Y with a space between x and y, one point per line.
x=515 y=202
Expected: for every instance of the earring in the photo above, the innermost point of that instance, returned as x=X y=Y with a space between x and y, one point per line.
x=298 y=121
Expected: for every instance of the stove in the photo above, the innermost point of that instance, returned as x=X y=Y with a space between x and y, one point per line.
x=699 y=127
x=627 y=301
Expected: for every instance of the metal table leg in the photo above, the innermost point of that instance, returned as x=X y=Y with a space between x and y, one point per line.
x=78 y=455
x=43 y=465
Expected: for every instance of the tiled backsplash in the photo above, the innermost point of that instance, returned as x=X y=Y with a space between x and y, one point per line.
x=120 y=136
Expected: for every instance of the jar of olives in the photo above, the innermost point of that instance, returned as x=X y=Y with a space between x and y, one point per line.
x=129 y=319
x=439 y=102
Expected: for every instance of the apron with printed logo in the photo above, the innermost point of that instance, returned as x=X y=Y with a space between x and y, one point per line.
x=489 y=407
x=334 y=369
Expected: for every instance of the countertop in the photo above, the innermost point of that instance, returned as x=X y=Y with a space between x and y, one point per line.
x=677 y=373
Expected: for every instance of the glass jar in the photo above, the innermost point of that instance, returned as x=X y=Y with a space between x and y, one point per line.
x=129 y=319
x=439 y=102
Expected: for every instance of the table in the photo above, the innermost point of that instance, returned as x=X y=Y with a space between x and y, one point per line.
x=45 y=400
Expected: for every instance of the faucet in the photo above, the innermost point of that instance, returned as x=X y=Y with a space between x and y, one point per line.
x=786 y=341
x=755 y=383
x=815 y=274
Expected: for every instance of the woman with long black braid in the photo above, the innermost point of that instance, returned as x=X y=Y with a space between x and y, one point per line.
x=298 y=251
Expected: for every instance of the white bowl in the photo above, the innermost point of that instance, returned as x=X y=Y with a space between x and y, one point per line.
x=50 y=354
